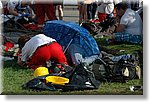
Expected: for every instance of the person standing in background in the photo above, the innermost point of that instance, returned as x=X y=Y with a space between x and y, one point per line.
x=105 y=8
x=91 y=9
x=44 y=9
x=60 y=11
x=59 y=7
x=82 y=11
x=1 y=6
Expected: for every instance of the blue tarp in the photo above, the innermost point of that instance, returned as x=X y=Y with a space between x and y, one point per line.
x=64 y=31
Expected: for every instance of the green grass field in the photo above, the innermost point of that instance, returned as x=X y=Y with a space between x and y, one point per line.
x=15 y=76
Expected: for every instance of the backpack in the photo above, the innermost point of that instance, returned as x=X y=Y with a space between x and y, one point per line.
x=121 y=70
x=124 y=70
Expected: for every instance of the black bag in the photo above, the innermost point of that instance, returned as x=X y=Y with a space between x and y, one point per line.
x=124 y=70
x=79 y=79
x=109 y=26
x=105 y=69
x=92 y=27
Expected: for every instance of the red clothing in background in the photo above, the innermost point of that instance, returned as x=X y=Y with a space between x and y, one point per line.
x=43 y=10
x=102 y=16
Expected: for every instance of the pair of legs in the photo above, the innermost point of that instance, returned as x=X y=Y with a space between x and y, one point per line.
x=82 y=13
x=43 y=10
x=126 y=37
x=91 y=10
x=60 y=11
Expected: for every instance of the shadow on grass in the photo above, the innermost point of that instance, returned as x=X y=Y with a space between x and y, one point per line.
x=12 y=64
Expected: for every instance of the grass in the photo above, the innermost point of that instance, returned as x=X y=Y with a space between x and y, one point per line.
x=118 y=48
x=15 y=76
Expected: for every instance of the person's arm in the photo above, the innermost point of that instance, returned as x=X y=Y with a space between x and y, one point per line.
x=31 y=12
x=122 y=23
x=13 y=12
x=21 y=63
x=120 y=28
x=11 y=8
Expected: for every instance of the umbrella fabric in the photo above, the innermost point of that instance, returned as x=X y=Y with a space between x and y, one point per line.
x=64 y=32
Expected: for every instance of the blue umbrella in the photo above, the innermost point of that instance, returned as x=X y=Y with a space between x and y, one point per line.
x=67 y=33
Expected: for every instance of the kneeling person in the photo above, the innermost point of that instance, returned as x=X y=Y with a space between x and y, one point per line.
x=36 y=51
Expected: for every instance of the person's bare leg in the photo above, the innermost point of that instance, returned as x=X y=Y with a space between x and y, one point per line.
x=60 y=12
